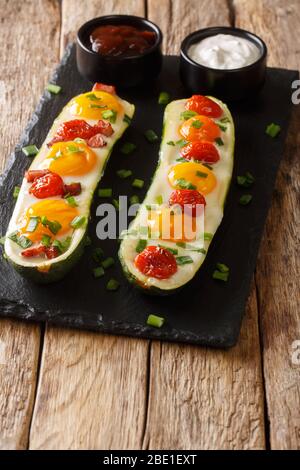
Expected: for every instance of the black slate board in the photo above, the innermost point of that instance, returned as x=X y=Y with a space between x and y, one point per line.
x=204 y=312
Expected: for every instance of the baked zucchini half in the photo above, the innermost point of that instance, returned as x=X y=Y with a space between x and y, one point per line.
x=191 y=183
x=47 y=231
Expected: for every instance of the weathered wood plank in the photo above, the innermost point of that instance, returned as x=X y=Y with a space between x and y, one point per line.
x=92 y=391
x=26 y=61
x=277 y=274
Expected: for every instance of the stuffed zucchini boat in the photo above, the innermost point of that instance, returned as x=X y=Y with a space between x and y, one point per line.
x=46 y=233
x=168 y=240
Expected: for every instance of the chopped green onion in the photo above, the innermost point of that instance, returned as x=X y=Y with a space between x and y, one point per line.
x=71 y=201
x=123 y=174
x=183 y=184
x=127 y=148
x=46 y=240
x=181 y=142
x=92 y=97
x=208 y=236
x=197 y=124
x=223 y=268
x=98 y=272
x=159 y=200
x=171 y=142
x=127 y=119
x=187 y=115
x=134 y=199
x=116 y=204
x=219 y=141
x=180 y=159
x=245 y=199
x=55 y=89
x=112 y=285
x=110 y=115
x=105 y=192
x=171 y=250
x=87 y=241
x=141 y=245
x=107 y=262
x=201 y=174
x=62 y=245
x=207 y=166
x=54 y=226
x=24 y=242
x=223 y=128
x=151 y=136
x=16 y=191
x=220 y=276
x=181 y=260
x=30 y=150
x=246 y=181
x=181 y=244
x=78 y=221
x=154 y=320
x=138 y=183
x=273 y=130
x=33 y=223
x=164 y=98
x=97 y=254
x=99 y=106
x=225 y=119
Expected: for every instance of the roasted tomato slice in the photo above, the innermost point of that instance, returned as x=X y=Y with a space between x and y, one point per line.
x=156 y=262
x=48 y=185
x=102 y=87
x=205 y=106
x=201 y=151
x=78 y=128
x=32 y=175
x=189 y=200
x=72 y=189
x=96 y=141
x=50 y=253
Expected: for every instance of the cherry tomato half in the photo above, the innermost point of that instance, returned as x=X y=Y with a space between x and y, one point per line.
x=201 y=151
x=48 y=185
x=157 y=262
x=189 y=200
x=205 y=106
x=78 y=128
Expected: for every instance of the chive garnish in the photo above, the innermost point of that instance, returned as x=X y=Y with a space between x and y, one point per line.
x=171 y=250
x=171 y=142
x=99 y=106
x=124 y=173
x=98 y=272
x=110 y=115
x=141 y=245
x=245 y=199
x=112 y=285
x=138 y=183
x=180 y=159
x=208 y=236
x=181 y=142
x=30 y=150
x=127 y=119
x=185 y=115
x=223 y=128
x=78 y=221
x=53 y=226
x=273 y=130
x=207 y=166
x=181 y=244
x=183 y=184
x=154 y=320
x=151 y=136
x=246 y=180
x=201 y=174
x=223 y=268
x=97 y=254
x=159 y=200
x=105 y=192
x=107 y=262
x=63 y=245
x=134 y=199
x=22 y=241
x=225 y=119
x=46 y=240
x=220 y=276
x=32 y=224
x=93 y=97
x=71 y=201
x=197 y=124
x=164 y=98
x=16 y=192
x=219 y=141
x=181 y=260
x=127 y=148
x=54 y=89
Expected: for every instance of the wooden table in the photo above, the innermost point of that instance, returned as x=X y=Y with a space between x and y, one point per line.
x=69 y=389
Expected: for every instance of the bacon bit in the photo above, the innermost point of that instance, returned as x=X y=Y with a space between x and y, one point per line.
x=32 y=175
x=102 y=87
x=104 y=127
x=50 y=253
x=96 y=141
x=72 y=189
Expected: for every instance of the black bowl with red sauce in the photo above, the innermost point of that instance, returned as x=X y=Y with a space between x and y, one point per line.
x=122 y=50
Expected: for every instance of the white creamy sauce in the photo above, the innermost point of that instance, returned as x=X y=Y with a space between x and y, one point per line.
x=224 y=51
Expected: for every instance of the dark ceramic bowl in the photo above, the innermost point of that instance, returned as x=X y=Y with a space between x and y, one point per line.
x=230 y=84
x=123 y=72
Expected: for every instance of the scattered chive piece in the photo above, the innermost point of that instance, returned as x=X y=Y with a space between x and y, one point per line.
x=55 y=89
x=246 y=181
x=30 y=150
x=110 y=115
x=46 y=240
x=181 y=260
x=197 y=124
x=181 y=142
x=171 y=142
x=187 y=114
x=208 y=236
x=105 y=192
x=33 y=223
x=16 y=191
x=24 y=242
x=71 y=201
x=151 y=136
x=183 y=184
x=159 y=200
x=2 y=240
x=53 y=226
x=180 y=159
x=225 y=119
x=134 y=199
x=73 y=148
x=127 y=148
x=141 y=245
x=138 y=183
x=62 y=246
x=223 y=268
x=164 y=98
x=87 y=241
x=98 y=272
x=245 y=199
x=112 y=285
x=98 y=254
x=116 y=204
x=107 y=262
x=78 y=221
x=181 y=244
x=93 y=97
x=273 y=130
x=127 y=119
x=97 y=106
x=123 y=174
x=220 y=276
x=223 y=128
x=207 y=166
x=201 y=174
x=171 y=250
x=219 y=141
x=154 y=320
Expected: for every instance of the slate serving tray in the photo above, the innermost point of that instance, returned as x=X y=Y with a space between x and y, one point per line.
x=205 y=312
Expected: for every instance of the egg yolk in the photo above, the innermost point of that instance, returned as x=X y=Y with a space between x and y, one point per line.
x=71 y=158
x=200 y=128
x=172 y=226
x=54 y=210
x=192 y=176
x=92 y=104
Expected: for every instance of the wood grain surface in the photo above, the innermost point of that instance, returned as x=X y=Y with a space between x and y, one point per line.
x=103 y=392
